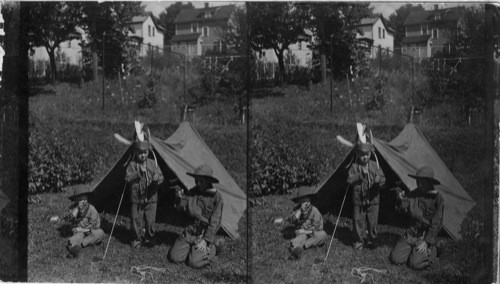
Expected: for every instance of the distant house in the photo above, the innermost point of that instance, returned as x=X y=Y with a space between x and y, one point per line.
x=374 y=32
x=297 y=54
x=427 y=32
x=147 y=33
x=196 y=29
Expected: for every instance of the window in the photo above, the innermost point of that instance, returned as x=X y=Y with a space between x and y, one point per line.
x=205 y=31
x=153 y=31
x=69 y=44
x=194 y=27
x=424 y=30
x=208 y=14
x=149 y=30
x=300 y=45
x=383 y=33
x=379 y=33
x=413 y=47
x=437 y=16
x=435 y=33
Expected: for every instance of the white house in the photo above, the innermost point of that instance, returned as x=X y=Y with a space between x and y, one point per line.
x=147 y=33
x=373 y=32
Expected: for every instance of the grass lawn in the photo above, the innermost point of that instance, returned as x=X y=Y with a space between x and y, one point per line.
x=271 y=263
x=47 y=261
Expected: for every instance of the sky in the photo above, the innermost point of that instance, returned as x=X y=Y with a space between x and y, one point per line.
x=386 y=8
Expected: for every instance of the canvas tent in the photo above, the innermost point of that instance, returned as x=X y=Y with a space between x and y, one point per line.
x=182 y=152
x=398 y=158
x=4 y=200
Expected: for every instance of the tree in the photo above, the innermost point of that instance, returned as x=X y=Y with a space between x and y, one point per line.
x=108 y=21
x=167 y=18
x=49 y=24
x=276 y=25
x=233 y=32
x=334 y=25
x=397 y=19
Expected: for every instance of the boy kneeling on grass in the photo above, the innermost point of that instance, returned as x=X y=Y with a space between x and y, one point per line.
x=198 y=243
x=85 y=220
x=426 y=206
x=308 y=223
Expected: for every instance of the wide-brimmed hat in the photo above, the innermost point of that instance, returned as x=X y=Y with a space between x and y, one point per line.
x=302 y=192
x=426 y=173
x=364 y=147
x=204 y=171
x=79 y=190
x=141 y=146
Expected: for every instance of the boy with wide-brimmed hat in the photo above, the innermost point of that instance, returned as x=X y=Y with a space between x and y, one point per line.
x=366 y=178
x=426 y=206
x=143 y=177
x=86 y=221
x=198 y=243
x=308 y=223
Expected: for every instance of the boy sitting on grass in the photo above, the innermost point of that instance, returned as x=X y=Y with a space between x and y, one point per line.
x=308 y=223
x=85 y=220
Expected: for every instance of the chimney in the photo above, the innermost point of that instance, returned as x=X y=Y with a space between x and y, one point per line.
x=206 y=5
x=436 y=6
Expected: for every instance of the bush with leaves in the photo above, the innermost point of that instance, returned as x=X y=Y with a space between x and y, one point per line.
x=280 y=164
x=54 y=164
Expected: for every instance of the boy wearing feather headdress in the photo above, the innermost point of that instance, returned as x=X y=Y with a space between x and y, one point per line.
x=143 y=177
x=366 y=179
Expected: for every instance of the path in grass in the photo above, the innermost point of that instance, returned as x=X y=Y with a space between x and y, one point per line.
x=47 y=261
x=271 y=263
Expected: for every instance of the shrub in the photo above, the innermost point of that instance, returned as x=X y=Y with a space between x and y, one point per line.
x=54 y=164
x=284 y=158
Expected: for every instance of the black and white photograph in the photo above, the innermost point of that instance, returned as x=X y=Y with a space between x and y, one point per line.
x=137 y=168
x=249 y=142
x=371 y=143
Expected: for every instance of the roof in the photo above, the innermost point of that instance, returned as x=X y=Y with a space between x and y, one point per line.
x=427 y=16
x=415 y=39
x=186 y=37
x=368 y=21
x=142 y=19
x=198 y=15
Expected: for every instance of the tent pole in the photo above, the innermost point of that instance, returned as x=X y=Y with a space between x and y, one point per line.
x=114 y=222
x=335 y=229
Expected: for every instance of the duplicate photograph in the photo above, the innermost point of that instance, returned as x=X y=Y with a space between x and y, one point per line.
x=371 y=142
x=137 y=161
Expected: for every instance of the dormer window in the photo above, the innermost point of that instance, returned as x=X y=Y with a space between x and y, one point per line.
x=437 y=16
x=208 y=14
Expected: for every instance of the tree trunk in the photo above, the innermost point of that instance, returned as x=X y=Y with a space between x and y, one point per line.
x=53 y=67
x=281 y=64
x=94 y=50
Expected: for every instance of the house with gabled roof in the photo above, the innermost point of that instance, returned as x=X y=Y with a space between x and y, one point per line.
x=196 y=29
x=374 y=31
x=427 y=32
x=146 y=33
